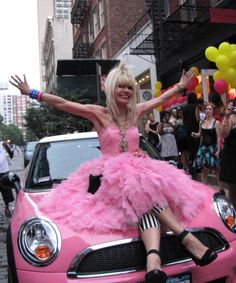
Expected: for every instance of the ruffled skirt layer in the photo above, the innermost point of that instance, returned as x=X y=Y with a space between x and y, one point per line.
x=130 y=186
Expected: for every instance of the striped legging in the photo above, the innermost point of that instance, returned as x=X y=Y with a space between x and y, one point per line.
x=149 y=219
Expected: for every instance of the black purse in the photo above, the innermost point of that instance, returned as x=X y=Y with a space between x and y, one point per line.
x=94 y=183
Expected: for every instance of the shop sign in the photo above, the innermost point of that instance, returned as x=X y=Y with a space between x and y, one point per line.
x=224 y=16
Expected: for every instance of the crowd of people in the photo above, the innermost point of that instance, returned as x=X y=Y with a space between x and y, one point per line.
x=202 y=137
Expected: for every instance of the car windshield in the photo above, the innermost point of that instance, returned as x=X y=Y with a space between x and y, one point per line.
x=55 y=161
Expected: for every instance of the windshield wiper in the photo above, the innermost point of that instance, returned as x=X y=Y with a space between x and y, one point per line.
x=48 y=182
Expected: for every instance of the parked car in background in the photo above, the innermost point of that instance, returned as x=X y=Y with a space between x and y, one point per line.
x=42 y=250
x=28 y=152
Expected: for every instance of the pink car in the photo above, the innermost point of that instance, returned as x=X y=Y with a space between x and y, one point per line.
x=40 y=250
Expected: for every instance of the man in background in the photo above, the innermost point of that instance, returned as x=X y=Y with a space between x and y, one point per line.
x=191 y=124
x=7 y=194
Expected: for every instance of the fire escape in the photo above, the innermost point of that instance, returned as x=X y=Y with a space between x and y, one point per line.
x=79 y=16
x=174 y=24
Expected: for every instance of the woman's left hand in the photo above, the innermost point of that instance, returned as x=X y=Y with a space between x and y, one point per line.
x=185 y=78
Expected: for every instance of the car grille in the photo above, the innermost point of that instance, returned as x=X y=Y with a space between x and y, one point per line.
x=129 y=255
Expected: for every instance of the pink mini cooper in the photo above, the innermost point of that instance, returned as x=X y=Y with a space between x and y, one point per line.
x=40 y=250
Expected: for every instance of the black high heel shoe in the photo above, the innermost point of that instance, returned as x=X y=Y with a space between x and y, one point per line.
x=208 y=256
x=155 y=275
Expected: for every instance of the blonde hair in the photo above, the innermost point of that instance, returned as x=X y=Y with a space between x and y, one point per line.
x=120 y=75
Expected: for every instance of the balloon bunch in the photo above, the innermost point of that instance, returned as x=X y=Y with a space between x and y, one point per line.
x=157 y=92
x=225 y=59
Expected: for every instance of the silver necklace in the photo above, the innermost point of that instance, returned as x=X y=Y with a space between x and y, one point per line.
x=123 y=129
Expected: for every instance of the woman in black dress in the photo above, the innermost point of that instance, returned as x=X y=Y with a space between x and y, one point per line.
x=207 y=158
x=228 y=157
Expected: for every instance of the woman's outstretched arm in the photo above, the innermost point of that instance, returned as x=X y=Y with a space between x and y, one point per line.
x=88 y=111
x=148 y=106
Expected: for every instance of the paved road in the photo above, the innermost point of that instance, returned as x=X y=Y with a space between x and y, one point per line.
x=17 y=166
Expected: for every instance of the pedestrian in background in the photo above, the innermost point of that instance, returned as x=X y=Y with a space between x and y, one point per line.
x=215 y=98
x=168 y=143
x=173 y=117
x=199 y=112
x=152 y=131
x=228 y=154
x=207 y=158
x=181 y=137
x=191 y=124
x=7 y=194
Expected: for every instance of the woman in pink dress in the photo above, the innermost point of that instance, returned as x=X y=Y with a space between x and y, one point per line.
x=134 y=188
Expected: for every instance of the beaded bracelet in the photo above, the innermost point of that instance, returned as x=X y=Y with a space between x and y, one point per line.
x=180 y=89
x=36 y=94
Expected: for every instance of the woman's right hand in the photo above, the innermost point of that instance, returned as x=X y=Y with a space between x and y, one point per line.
x=185 y=78
x=194 y=135
x=22 y=85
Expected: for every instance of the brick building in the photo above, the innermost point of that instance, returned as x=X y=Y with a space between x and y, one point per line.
x=100 y=26
x=182 y=30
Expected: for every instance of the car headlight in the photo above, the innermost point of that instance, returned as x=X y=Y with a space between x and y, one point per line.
x=39 y=241
x=226 y=211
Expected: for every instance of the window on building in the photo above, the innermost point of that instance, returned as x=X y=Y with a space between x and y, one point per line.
x=144 y=80
x=90 y=32
x=166 y=8
x=97 y=54
x=104 y=50
x=101 y=13
x=95 y=23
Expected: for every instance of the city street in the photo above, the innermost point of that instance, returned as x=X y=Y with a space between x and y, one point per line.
x=17 y=167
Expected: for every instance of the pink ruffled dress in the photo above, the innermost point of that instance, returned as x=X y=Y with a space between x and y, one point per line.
x=130 y=186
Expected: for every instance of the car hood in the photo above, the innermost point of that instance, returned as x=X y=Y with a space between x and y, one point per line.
x=74 y=242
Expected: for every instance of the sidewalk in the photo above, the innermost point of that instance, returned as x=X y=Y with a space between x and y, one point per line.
x=16 y=167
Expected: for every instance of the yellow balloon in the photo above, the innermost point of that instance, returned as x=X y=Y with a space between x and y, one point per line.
x=195 y=70
x=157 y=92
x=233 y=84
x=225 y=48
x=158 y=85
x=230 y=75
x=219 y=75
x=222 y=62
x=211 y=53
x=233 y=46
x=198 y=88
x=232 y=57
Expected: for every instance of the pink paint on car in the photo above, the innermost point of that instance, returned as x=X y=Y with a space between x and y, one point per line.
x=40 y=250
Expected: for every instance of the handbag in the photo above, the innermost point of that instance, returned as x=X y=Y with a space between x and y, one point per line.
x=94 y=183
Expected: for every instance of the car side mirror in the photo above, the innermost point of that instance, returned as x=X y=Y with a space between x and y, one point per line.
x=10 y=181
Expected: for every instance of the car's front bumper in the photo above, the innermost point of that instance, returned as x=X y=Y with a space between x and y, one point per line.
x=224 y=268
